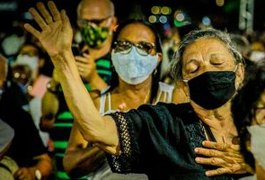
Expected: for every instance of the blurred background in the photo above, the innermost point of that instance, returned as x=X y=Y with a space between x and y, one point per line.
x=221 y=14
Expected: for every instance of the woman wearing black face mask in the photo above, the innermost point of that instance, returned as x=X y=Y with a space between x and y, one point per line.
x=160 y=140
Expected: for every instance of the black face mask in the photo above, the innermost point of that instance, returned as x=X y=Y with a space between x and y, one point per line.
x=213 y=89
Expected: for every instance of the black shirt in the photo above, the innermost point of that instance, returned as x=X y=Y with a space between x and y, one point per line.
x=159 y=140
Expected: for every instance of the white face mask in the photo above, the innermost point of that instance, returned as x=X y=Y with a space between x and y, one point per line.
x=31 y=61
x=133 y=68
x=257 y=133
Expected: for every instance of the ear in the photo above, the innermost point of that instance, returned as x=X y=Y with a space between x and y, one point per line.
x=181 y=93
x=184 y=87
x=160 y=57
x=240 y=75
x=114 y=22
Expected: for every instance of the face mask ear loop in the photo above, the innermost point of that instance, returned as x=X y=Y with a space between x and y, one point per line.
x=239 y=85
x=235 y=68
x=186 y=82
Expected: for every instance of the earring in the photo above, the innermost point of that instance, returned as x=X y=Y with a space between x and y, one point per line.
x=155 y=71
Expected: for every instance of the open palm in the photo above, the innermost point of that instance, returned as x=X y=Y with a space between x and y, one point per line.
x=56 y=33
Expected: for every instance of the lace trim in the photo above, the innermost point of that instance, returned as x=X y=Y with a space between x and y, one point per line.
x=124 y=162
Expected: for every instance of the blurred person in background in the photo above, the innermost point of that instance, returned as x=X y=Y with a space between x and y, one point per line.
x=7 y=165
x=249 y=115
x=27 y=148
x=26 y=72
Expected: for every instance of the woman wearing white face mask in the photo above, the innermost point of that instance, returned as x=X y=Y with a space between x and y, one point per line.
x=136 y=56
x=249 y=115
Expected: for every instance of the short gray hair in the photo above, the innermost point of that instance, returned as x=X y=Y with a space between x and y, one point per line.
x=176 y=64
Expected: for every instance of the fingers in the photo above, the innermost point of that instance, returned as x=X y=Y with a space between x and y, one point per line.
x=220 y=146
x=215 y=145
x=65 y=18
x=80 y=59
x=210 y=161
x=208 y=152
x=37 y=17
x=32 y=30
x=218 y=171
x=55 y=12
x=21 y=174
x=44 y=13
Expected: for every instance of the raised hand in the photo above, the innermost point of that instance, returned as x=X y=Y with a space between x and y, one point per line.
x=226 y=157
x=56 y=33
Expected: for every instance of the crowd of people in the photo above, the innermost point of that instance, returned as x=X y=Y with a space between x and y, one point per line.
x=117 y=100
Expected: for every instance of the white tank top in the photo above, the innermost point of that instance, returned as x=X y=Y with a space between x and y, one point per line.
x=165 y=92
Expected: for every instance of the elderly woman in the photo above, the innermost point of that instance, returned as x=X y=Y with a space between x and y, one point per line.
x=248 y=109
x=157 y=140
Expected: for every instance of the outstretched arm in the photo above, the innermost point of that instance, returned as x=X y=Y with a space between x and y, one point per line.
x=56 y=38
x=80 y=157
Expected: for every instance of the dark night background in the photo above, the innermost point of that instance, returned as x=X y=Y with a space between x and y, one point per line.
x=224 y=17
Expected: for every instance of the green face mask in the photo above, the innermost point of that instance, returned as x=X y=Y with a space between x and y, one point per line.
x=94 y=36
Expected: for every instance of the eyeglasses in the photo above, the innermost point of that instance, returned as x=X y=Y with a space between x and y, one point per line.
x=85 y=22
x=143 y=48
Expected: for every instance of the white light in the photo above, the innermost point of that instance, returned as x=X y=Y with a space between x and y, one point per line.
x=180 y=16
x=206 y=21
x=163 y=19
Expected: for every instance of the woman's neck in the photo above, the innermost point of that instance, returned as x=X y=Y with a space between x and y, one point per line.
x=127 y=96
x=219 y=120
x=135 y=90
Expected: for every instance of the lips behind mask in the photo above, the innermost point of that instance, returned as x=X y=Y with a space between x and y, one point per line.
x=134 y=68
x=212 y=89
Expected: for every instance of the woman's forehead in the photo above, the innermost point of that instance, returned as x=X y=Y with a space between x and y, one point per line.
x=136 y=30
x=206 y=46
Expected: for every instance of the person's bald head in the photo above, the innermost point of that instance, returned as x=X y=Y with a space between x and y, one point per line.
x=3 y=69
x=95 y=9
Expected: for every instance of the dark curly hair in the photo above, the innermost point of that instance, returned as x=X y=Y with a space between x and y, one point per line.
x=244 y=104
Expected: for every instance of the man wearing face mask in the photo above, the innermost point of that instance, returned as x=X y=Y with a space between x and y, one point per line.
x=96 y=21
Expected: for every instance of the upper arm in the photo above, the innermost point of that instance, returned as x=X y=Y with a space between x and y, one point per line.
x=76 y=139
x=110 y=136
